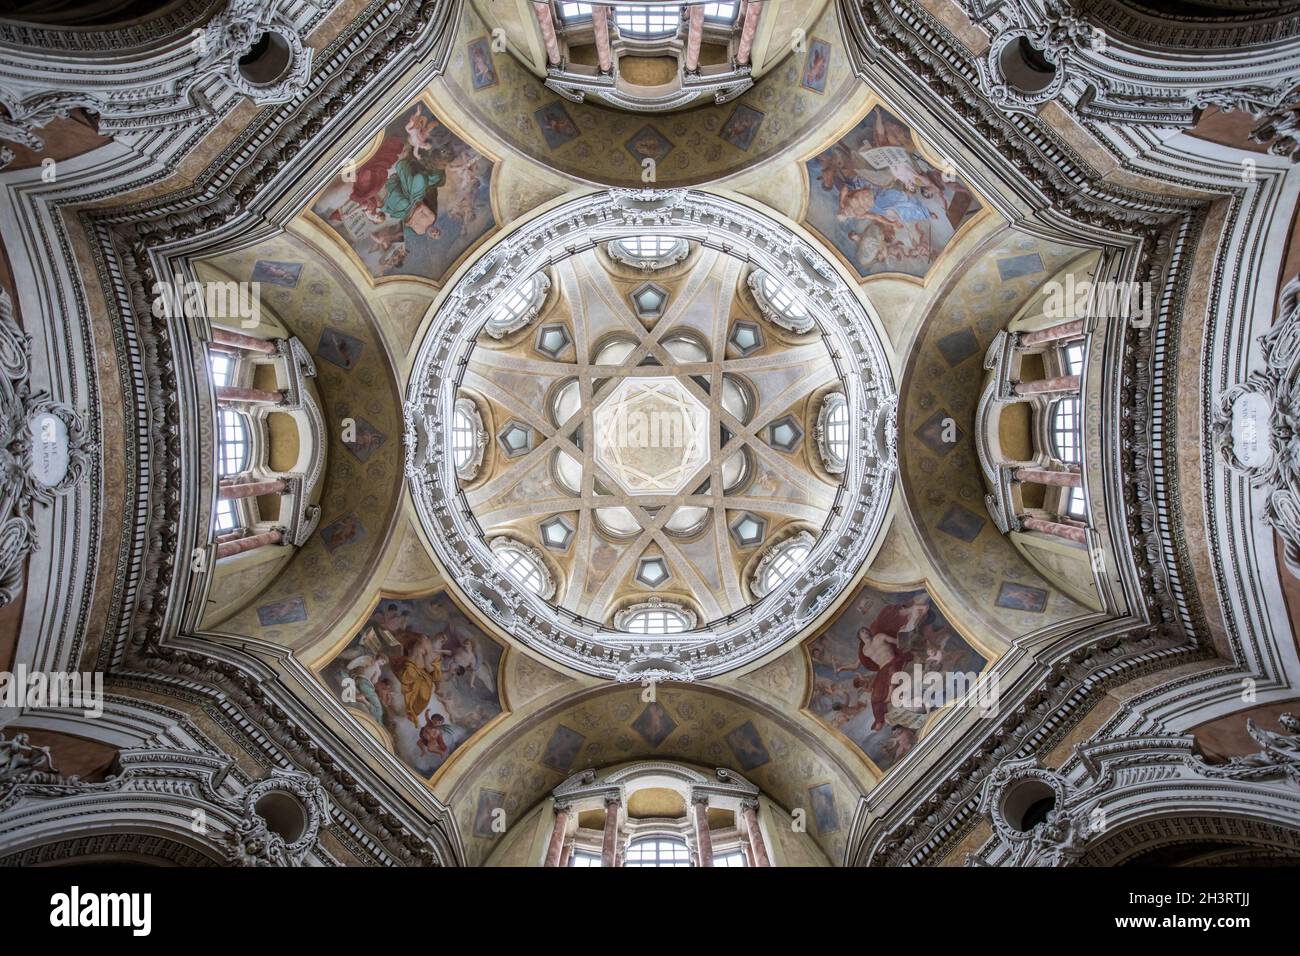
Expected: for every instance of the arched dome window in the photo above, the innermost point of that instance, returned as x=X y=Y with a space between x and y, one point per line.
x=649 y=252
x=781 y=562
x=468 y=438
x=687 y=520
x=686 y=348
x=737 y=397
x=1066 y=443
x=232 y=444
x=568 y=472
x=779 y=302
x=655 y=617
x=658 y=851
x=524 y=565
x=519 y=306
x=614 y=350
x=736 y=470
x=642 y=20
x=565 y=402
x=617 y=522
x=833 y=432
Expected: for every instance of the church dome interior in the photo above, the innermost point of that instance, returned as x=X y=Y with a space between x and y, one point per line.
x=755 y=434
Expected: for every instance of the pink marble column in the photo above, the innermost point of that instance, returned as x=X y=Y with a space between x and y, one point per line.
x=251 y=489
x=231 y=536
x=546 y=22
x=700 y=806
x=555 y=850
x=748 y=28
x=694 y=36
x=244 y=343
x=750 y=812
x=247 y=543
x=1044 y=476
x=1048 y=386
x=1053 y=333
x=600 y=26
x=226 y=394
x=1056 y=529
x=747 y=849
x=609 y=845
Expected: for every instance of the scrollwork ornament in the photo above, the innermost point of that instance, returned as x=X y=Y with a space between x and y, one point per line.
x=251 y=841
x=1237 y=430
x=1279 y=755
x=44 y=452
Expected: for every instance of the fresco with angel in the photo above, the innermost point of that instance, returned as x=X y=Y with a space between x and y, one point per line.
x=421 y=670
x=415 y=203
x=882 y=203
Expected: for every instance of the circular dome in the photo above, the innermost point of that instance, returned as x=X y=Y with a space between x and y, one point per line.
x=656 y=452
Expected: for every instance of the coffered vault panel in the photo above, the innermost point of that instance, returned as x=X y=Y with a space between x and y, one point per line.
x=673 y=542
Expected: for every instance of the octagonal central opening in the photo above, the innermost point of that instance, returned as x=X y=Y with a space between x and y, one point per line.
x=651 y=435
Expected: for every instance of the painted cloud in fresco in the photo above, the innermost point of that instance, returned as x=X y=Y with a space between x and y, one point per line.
x=882 y=204
x=883 y=641
x=418 y=202
x=424 y=672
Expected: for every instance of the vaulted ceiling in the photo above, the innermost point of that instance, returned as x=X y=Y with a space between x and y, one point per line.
x=917 y=233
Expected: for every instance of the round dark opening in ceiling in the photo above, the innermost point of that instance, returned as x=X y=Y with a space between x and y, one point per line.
x=1027 y=804
x=1026 y=67
x=283 y=814
x=267 y=61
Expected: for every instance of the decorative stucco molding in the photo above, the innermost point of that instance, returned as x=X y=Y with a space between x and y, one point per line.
x=1256 y=425
x=1109 y=787
x=1126 y=77
x=161 y=515
x=189 y=794
x=187 y=81
x=44 y=451
x=832 y=459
